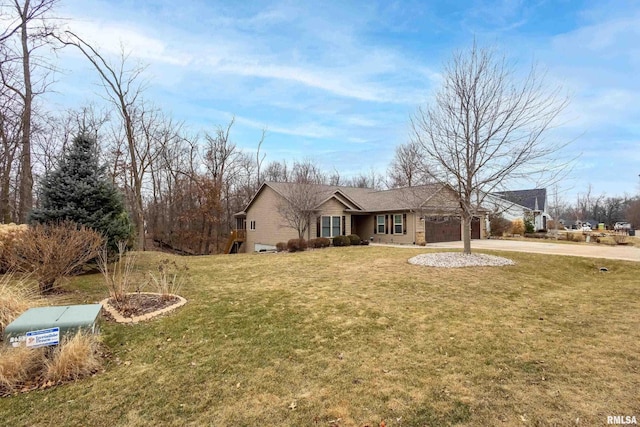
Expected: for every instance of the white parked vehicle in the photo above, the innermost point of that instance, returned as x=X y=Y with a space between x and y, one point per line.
x=586 y=227
x=622 y=225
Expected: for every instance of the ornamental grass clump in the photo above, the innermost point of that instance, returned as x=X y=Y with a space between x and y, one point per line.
x=118 y=277
x=16 y=297
x=75 y=358
x=517 y=227
x=19 y=366
x=168 y=278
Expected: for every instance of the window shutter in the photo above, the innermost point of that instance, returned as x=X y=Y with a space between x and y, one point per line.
x=344 y=225
x=404 y=223
x=375 y=224
x=317 y=226
x=386 y=224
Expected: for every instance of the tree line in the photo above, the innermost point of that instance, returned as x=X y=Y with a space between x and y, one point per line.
x=180 y=188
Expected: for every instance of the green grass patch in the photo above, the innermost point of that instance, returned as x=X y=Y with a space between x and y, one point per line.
x=357 y=335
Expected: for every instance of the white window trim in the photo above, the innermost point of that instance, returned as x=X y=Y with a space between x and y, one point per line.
x=252 y=225
x=384 y=225
x=401 y=224
x=331 y=217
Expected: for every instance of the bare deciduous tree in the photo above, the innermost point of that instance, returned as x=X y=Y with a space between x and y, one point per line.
x=276 y=172
x=28 y=30
x=301 y=196
x=632 y=213
x=124 y=87
x=407 y=167
x=486 y=128
x=298 y=206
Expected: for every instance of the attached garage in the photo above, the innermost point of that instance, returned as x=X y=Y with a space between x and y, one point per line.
x=442 y=229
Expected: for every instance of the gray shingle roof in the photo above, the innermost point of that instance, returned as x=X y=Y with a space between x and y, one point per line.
x=527 y=198
x=369 y=200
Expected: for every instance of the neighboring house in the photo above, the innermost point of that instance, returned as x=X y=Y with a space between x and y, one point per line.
x=521 y=204
x=412 y=215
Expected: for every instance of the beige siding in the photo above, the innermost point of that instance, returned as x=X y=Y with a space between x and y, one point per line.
x=408 y=238
x=271 y=228
x=331 y=207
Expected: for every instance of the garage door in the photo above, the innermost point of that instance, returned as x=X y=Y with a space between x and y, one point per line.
x=442 y=229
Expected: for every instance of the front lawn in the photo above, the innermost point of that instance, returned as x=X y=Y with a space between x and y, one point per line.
x=353 y=336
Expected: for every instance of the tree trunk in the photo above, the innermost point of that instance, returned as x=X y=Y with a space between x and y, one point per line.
x=466 y=233
x=5 y=187
x=26 y=176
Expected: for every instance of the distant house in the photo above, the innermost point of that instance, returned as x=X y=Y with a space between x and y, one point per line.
x=413 y=215
x=521 y=204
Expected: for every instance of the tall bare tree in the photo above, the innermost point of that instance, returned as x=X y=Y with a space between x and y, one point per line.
x=486 y=128
x=407 y=167
x=28 y=30
x=10 y=112
x=124 y=86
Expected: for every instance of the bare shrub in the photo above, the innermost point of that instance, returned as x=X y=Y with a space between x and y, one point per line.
x=499 y=225
x=575 y=237
x=281 y=246
x=354 y=239
x=169 y=278
x=19 y=365
x=74 y=358
x=16 y=296
x=319 y=243
x=621 y=239
x=296 y=245
x=341 y=241
x=53 y=251
x=119 y=279
x=517 y=226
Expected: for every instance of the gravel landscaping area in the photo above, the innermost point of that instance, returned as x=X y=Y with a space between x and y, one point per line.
x=458 y=259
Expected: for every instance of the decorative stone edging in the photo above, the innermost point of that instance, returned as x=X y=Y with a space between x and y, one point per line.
x=121 y=319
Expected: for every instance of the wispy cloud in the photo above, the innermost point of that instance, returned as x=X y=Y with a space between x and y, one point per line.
x=342 y=78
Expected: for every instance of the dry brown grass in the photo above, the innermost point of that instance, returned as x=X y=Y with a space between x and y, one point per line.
x=16 y=296
x=9 y=234
x=75 y=358
x=119 y=276
x=19 y=366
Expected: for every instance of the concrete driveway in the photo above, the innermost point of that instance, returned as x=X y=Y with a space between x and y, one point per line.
x=627 y=253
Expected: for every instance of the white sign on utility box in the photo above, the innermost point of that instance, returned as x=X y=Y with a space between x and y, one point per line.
x=43 y=337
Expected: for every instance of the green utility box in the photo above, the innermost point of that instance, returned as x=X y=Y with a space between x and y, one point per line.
x=45 y=326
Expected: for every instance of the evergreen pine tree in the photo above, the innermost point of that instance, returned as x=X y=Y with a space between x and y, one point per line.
x=79 y=190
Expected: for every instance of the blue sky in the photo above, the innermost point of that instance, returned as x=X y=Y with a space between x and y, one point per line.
x=336 y=82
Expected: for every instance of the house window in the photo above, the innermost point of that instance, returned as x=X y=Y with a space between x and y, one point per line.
x=380 y=226
x=398 y=224
x=326 y=226
x=331 y=226
x=335 y=229
x=252 y=225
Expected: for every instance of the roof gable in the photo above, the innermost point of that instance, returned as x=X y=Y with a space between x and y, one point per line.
x=534 y=199
x=431 y=196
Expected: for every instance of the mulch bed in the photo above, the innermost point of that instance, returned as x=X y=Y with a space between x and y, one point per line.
x=141 y=304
